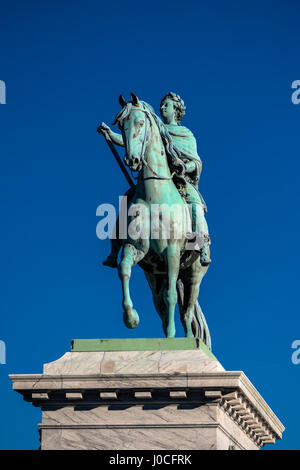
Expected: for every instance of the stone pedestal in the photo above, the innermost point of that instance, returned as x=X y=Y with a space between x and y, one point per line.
x=160 y=394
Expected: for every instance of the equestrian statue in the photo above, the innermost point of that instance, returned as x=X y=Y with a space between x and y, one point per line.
x=166 y=230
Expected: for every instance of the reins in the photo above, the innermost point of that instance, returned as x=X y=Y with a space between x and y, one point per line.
x=142 y=159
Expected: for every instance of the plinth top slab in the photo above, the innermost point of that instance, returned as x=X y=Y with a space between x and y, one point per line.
x=139 y=344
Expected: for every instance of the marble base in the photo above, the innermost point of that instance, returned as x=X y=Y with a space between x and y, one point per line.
x=147 y=399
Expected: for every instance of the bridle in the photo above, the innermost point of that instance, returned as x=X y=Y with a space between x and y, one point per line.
x=141 y=156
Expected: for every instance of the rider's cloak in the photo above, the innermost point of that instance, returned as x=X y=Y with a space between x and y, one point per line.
x=184 y=141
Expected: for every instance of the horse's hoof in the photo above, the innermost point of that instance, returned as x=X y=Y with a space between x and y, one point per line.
x=189 y=334
x=170 y=332
x=131 y=319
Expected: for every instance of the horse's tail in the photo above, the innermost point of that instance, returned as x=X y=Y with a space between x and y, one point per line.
x=199 y=326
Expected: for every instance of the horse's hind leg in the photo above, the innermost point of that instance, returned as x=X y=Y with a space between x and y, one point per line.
x=172 y=258
x=128 y=258
x=157 y=283
x=191 y=282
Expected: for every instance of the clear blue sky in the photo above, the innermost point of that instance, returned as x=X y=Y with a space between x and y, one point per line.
x=64 y=64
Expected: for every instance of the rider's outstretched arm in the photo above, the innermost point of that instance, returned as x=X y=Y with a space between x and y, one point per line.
x=106 y=130
x=116 y=138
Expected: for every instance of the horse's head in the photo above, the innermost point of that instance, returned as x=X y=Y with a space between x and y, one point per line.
x=133 y=121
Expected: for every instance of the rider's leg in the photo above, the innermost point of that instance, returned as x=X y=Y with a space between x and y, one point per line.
x=115 y=242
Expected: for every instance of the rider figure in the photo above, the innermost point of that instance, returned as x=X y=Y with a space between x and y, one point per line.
x=172 y=110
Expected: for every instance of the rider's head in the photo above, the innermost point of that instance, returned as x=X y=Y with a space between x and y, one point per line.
x=172 y=106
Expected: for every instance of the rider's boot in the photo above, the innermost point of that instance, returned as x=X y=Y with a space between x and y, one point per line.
x=112 y=259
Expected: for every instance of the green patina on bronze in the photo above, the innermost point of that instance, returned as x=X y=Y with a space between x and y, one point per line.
x=139 y=344
x=164 y=155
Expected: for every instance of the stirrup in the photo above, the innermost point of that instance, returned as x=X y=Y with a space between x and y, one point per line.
x=111 y=261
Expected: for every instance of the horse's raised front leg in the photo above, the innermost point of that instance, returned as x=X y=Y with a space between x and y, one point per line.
x=172 y=259
x=130 y=316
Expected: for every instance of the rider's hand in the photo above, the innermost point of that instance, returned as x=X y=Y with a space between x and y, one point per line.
x=103 y=129
x=181 y=168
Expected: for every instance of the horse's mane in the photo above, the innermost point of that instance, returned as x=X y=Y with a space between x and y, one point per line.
x=173 y=155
